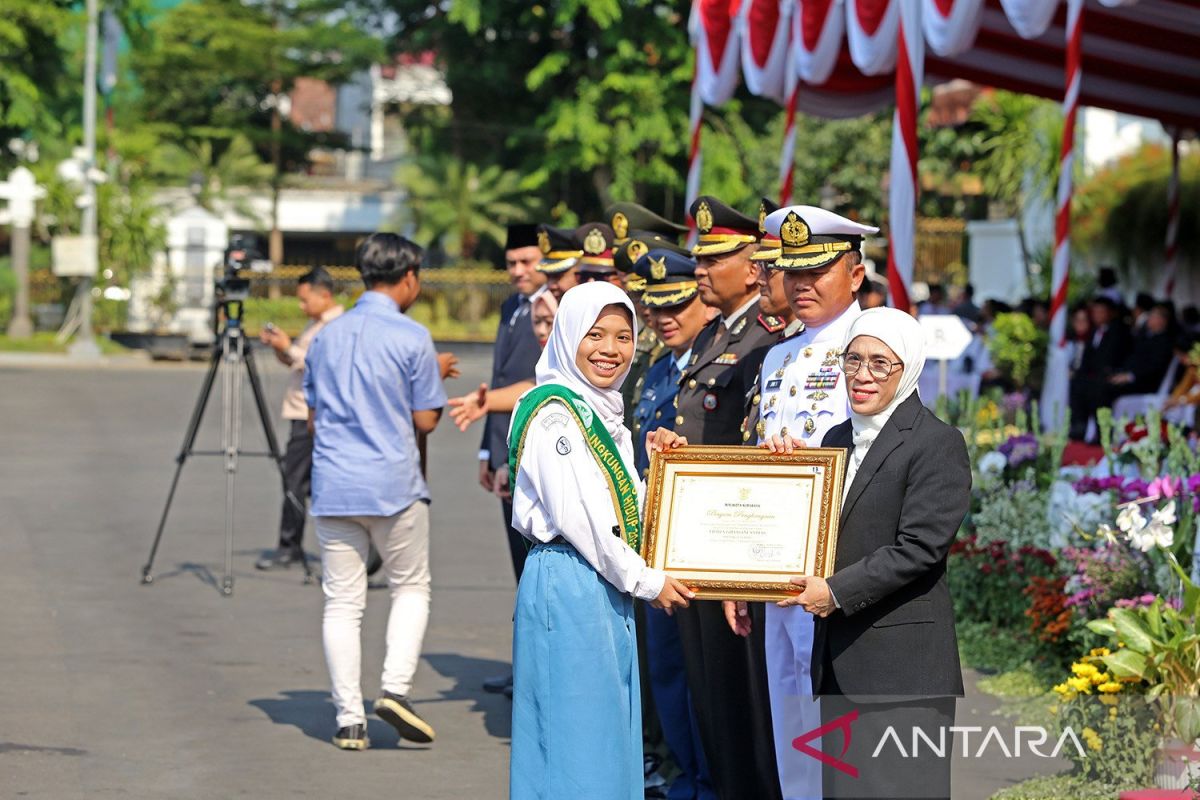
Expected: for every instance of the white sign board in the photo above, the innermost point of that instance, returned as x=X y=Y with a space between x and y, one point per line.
x=74 y=256
x=946 y=337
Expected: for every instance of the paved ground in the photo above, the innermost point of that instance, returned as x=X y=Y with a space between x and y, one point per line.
x=113 y=689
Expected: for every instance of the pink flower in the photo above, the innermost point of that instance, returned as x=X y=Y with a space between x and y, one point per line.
x=1164 y=486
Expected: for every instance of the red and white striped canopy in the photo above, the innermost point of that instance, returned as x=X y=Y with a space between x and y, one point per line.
x=1138 y=56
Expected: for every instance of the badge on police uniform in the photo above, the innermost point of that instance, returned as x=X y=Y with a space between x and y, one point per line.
x=710 y=401
x=726 y=359
x=774 y=384
x=737 y=329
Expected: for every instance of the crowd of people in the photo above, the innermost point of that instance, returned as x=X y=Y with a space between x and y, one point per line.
x=750 y=337
x=617 y=341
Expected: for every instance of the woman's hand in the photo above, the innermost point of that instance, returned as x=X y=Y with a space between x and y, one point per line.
x=673 y=595
x=782 y=445
x=737 y=614
x=470 y=407
x=661 y=439
x=814 y=596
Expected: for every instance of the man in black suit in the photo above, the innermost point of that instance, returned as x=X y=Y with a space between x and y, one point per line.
x=1150 y=357
x=726 y=674
x=1103 y=356
x=515 y=357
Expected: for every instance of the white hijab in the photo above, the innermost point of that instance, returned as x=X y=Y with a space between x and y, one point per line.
x=904 y=336
x=578 y=311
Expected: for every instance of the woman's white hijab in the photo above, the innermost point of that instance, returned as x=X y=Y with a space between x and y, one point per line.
x=578 y=311
x=905 y=337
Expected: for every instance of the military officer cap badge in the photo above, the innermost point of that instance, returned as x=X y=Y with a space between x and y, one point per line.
x=560 y=249
x=768 y=245
x=670 y=278
x=722 y=229
x=811 y=237
x=625 y=218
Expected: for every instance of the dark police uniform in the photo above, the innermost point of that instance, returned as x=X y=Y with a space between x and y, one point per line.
x=726 y=674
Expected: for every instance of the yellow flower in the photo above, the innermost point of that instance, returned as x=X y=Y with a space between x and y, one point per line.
x=1101 y=677
x=1099 y=652
x=1084 y=670
x=1108 y=700
x=1054 y=709
x=1081 y=685
x=1112 y=712
x=1093 y=739
x=1109 y=687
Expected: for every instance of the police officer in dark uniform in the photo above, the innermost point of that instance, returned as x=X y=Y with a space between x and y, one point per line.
x=726 y=674
x=596 y=263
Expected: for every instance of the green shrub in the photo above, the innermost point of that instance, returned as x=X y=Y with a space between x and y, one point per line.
x=1061 y=787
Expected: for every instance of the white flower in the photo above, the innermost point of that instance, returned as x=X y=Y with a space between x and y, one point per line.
x=1142 y=539
x=1164 y=515
x=1130 y=519
x=1161 y=534
x=1106 y=533
x=992 y=463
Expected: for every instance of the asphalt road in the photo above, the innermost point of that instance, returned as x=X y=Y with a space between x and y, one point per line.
x=113 y=689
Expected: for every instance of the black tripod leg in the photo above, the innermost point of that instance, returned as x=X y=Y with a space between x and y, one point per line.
x=189 y=441
x=273 y=447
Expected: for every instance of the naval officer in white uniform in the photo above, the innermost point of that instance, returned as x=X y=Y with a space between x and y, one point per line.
x=801 y=397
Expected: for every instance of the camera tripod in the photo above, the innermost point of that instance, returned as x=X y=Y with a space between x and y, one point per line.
x=228 y=356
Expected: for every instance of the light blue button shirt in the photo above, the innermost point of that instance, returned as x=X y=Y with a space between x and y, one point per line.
x=365 y=374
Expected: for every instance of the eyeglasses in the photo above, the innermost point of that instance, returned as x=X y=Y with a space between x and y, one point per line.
x=879 y=366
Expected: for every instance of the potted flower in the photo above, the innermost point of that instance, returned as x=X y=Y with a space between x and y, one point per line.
x=1159 y=644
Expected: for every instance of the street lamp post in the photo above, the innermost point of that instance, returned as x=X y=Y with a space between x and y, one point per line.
x=85 y=345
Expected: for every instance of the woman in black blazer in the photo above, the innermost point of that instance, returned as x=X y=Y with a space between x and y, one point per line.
x=885 y=656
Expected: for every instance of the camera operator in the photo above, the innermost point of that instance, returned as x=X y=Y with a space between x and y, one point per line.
x=315 y=293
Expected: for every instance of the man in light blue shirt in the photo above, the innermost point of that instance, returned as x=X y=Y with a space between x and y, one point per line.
x=372 y=384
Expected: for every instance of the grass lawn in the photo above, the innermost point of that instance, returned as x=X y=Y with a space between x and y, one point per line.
x=43 y=342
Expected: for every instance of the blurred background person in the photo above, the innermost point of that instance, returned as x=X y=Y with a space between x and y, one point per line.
x=372 y=384
x=314 y=291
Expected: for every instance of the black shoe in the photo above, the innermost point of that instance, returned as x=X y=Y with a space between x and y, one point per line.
x=282 y=558
x=498 y=684
x=398 y=712
x=352 y=737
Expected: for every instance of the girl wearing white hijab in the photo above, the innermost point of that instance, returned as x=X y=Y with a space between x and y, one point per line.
x=577 y=728
x=885 y=628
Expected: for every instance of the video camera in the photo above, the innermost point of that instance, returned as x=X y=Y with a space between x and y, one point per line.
x=243 y=252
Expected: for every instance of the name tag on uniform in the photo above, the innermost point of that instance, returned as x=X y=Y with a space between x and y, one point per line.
x=774 y=384
x=824 y=378
x=726 y=359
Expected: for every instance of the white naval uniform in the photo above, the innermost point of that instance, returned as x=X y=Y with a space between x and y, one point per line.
x=803 y=395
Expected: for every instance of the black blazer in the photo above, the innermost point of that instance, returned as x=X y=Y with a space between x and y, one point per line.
x=514 y=358
x=893 y=636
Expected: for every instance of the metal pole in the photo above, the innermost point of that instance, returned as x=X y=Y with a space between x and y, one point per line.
x=85 y=344
x=20 y=326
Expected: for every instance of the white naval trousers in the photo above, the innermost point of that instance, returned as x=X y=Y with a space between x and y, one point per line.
x=794 y=710
x=403 y=541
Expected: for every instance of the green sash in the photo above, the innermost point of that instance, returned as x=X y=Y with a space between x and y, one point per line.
x=621 y=485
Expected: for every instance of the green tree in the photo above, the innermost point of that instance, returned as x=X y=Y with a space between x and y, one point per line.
x=219 y=68
x=32 y=66
x=458 y=203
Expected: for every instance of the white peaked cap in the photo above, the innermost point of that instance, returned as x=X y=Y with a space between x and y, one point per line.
x=820 y=222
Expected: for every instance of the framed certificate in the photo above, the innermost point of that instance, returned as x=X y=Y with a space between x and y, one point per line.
x=735 y=523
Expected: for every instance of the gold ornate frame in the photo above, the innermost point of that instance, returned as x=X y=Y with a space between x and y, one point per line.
x=767 y=584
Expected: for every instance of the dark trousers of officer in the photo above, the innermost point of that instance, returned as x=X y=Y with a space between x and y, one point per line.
x=297 y=476
x=727 y=676
x=517 y=547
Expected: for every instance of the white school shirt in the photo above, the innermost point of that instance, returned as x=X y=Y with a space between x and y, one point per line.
x=560 y=491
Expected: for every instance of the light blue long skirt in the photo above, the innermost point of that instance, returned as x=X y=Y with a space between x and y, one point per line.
x=577 y=720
